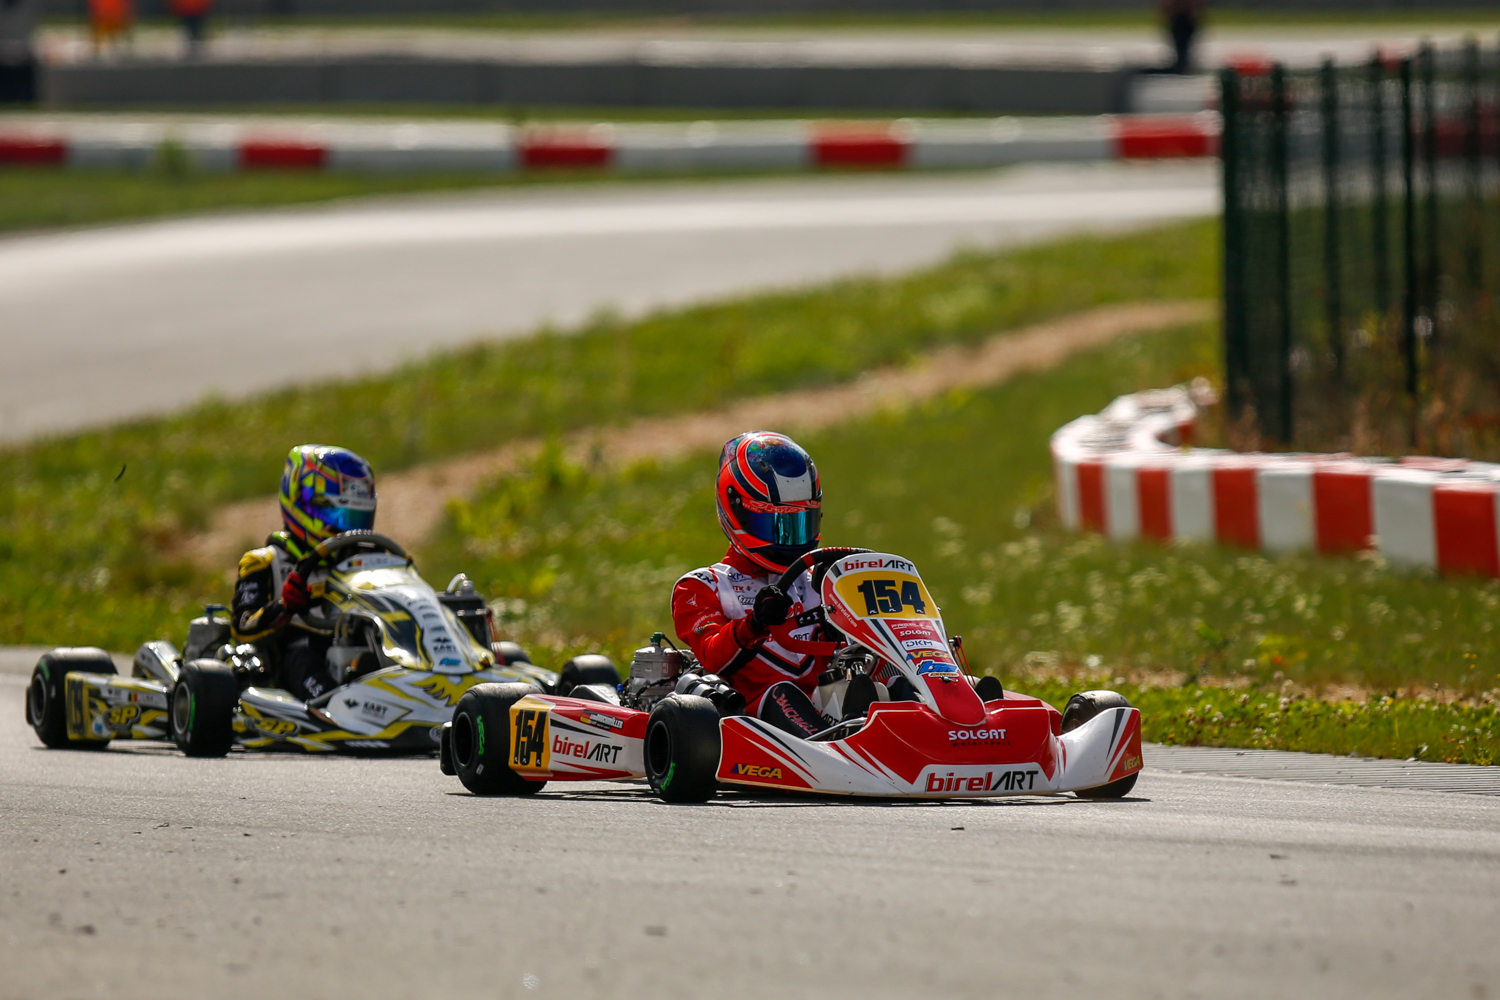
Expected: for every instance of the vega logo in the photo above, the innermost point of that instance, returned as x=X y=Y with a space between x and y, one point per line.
x=757 y=771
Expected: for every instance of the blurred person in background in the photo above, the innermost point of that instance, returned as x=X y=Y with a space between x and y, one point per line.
x=110 y=22
x=17 y=59
x=193 y=15
x=1182 y=19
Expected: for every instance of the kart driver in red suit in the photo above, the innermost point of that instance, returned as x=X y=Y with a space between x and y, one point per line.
x=770 y=505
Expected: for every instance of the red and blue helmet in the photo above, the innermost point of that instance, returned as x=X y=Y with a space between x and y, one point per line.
x=326 y=491
x=769 y=498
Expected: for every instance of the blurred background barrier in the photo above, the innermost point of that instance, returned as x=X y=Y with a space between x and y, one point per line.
x=775 y=79
x=364 y=8
x=1123 y=473
x=1362 y=254
x=123 y=144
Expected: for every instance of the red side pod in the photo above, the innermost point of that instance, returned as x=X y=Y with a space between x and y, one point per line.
x=32 y=152
x=1343 y=510
x=1129 y=760
x=858 y=148
x=1463 y=516
x=746 y=758
x=276 y=155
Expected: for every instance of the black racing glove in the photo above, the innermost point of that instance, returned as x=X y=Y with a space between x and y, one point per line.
x=771 y=607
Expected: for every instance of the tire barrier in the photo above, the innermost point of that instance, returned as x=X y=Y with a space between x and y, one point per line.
x=693 y=147
x=1129 y=472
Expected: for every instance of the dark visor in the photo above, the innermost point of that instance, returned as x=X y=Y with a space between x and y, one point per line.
x=797 y=528
x=347 y=518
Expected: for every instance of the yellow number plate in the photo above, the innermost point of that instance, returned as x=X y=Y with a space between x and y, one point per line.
x=530 y=749
x=884 y=593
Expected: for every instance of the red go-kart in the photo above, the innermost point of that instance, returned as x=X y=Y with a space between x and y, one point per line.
x=955 y=736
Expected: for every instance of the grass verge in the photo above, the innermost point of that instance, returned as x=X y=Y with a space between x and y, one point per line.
x=86 y=550
x=38 y=198
x=962 y=485
x=1381 y=726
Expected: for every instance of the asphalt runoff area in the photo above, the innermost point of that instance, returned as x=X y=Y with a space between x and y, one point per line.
x=140 y=873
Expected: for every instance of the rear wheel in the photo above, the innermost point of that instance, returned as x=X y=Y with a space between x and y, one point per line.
x=479 y=741
x=590 y=668
x=1080 y=709
x=203 y=704
x=46 y=709
x=682 y=749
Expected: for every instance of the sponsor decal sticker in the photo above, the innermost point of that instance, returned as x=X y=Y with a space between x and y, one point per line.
x=937 y=667
x=603 y=753
x=607 y=721
x=758 y=771
x=976 y=735
x=121 y=716
x=1015 y=779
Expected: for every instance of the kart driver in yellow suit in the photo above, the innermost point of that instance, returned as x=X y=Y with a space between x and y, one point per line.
x=325 y=491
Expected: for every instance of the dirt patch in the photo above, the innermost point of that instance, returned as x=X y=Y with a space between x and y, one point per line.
x=413 y=501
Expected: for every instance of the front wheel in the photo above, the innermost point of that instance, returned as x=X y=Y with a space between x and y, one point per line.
x=1080 y=709
x=682 y=749
x=479 y=741
x=203 y=704
x=46 y=710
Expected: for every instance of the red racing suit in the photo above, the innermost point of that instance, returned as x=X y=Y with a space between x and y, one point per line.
x=711 y=612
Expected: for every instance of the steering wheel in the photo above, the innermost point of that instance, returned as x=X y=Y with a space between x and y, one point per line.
x=332 y=550
x=818 y=561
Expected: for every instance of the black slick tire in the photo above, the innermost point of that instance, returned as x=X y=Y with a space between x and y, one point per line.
x=46 y=707
x=445 y=749
x=479 y=741
x=1080 y=709
x=682 y=749
x=203 y=703
x=590 y=668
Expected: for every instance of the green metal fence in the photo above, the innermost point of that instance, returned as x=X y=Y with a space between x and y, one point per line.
x=1362 y=254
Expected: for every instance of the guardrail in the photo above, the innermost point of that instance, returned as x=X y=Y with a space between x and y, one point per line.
x=1128 y=473
x=691 y=147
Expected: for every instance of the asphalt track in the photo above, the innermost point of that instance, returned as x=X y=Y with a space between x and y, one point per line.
x=140 y=873
x=115 y=322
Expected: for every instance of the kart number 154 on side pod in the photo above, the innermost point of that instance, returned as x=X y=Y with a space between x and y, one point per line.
x=684 y=731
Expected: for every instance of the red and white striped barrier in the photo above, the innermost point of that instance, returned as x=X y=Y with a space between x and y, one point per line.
x=1126 y=472
x=699 y=146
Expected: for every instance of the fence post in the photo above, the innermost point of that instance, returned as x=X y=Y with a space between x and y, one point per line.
x=1280 y=154
x=1236 y=364
x=1432 y=273
x=1409 y=241
x=1332 y=271
x=1474 y=182
x=1379 y=229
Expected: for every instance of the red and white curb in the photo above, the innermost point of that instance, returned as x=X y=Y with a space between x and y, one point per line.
x=698 y=146
x=1125 y=472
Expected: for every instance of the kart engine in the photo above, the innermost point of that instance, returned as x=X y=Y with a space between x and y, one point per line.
x=661 y=669
x=654 y=671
